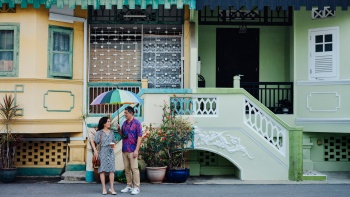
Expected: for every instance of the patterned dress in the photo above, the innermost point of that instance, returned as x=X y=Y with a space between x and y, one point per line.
x=106 y=153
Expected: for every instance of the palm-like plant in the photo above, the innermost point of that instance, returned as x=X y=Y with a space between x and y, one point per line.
x=8 y=140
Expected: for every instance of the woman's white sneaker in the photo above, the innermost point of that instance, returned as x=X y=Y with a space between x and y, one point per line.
x=127 y=189
x=135 y=191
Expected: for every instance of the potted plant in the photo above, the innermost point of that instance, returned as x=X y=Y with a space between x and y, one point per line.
x=8 y=140
x=178 y=133
x=284 y=106
x=152 y=153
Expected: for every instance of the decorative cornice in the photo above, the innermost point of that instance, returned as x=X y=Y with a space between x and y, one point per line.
x=322 y=83
x=323 y=120
x=46 y=121
x=37 y=80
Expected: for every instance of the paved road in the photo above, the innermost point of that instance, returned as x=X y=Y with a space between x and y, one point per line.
x=47 y=188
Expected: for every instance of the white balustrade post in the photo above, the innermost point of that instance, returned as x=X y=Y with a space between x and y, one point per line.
x=237 y=81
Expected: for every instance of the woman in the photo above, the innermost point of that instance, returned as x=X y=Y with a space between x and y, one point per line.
x=106 y=154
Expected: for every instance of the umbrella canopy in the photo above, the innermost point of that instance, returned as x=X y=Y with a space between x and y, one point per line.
x=116 y=97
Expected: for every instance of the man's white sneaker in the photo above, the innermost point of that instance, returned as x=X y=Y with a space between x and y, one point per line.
x=135 y=191
x=127 y=189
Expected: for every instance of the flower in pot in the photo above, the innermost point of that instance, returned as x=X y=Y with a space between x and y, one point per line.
x=8 y=140
x=178 y=134
x=284 y=106
x=152 y=153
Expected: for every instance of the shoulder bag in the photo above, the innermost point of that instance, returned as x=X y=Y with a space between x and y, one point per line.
x=96 y=160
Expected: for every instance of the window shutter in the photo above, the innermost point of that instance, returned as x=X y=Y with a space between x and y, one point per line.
x=323 y=53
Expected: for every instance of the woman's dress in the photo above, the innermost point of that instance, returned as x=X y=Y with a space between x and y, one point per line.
x=106 y=153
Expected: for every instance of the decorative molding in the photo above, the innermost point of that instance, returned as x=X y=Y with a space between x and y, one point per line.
x=323 y=120
x=326 y=12
x=309 y=101
x=59 y=92
x=319 y=82
x=7 y=9
x=47 y=121
x=18 y=89
x=229 y=142
x=46 y=80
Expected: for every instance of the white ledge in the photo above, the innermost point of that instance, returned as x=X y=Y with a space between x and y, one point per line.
x=315 y=83
x=323 y=120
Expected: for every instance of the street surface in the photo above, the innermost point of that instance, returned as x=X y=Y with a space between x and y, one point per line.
x=52 y=188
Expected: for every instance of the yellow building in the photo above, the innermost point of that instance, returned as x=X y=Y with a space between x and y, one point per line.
x=50 y=61
x=42 y=65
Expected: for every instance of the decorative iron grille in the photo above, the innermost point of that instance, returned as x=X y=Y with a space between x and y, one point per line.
x=136 y=16
x=234 y=16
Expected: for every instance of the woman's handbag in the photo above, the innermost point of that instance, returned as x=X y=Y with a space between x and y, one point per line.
x=96 y=160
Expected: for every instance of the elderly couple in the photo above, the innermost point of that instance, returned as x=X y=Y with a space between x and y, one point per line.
x=131 y=132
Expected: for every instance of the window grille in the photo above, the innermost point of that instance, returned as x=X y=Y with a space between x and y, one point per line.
x=337 y=148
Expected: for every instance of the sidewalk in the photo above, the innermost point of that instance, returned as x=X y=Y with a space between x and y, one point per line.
x=332 y=178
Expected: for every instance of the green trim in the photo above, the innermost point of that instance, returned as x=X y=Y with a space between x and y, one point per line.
x=120 y=84
x=14 y=91
x=296 y=155
x=63 y=91
x=164 y=91
x=76 y=167
x=56 y=74
x=84 y=3
x=315 y=178
x=17 y=89
x=16 y=33
x=39 y=171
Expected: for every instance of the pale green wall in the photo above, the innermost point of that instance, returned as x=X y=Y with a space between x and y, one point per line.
x=274 y=53
x=303 y=22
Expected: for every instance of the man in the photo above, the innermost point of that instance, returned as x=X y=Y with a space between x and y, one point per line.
x=131 y=132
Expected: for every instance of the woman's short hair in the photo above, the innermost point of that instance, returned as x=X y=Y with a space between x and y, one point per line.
x=101 y=123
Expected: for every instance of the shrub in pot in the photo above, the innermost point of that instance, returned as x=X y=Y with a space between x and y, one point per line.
x=8 y=140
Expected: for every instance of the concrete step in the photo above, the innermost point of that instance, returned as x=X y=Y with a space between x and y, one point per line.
x=311 y=175
x=73 y=176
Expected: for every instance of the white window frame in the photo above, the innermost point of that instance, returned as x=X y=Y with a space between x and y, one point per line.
x=332 y=74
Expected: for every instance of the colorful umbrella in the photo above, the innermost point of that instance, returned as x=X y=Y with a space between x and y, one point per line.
x=116 y=97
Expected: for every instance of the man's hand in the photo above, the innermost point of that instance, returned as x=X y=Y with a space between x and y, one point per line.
x=136 y=154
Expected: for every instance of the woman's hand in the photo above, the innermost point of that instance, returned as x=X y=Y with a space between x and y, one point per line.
x=95 y=154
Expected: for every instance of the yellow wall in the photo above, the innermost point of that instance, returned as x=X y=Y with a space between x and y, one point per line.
x=37 y=90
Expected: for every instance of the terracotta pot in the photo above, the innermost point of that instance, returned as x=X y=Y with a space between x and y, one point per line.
x=156 y=174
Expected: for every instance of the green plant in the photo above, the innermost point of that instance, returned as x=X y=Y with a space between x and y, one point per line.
x=178 y=133
x=121 y=177
x=8 y=140
x=168 y=143
x=151 y=150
